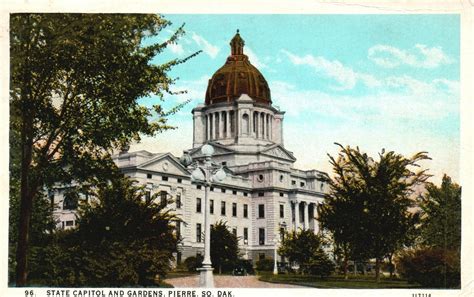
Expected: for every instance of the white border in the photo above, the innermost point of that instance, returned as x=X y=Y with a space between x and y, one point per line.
x=464 y=7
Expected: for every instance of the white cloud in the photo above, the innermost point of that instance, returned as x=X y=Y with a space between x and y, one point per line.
x=345 y=76
x=209 y=49
x=420 y=57
x=397 y=98
x=176 y=48
x=196 y=89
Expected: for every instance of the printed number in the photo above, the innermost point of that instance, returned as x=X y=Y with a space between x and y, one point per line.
x=29 y=293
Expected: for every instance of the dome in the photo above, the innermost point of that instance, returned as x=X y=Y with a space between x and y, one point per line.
x=238 y=76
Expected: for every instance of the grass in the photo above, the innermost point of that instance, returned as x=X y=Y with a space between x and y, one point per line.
x=354 y=282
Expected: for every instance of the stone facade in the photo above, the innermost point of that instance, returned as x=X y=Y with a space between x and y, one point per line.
x=262 y=195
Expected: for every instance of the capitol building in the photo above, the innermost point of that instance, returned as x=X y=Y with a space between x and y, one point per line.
x=262 y=194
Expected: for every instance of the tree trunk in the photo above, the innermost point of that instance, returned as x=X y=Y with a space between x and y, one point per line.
x=27 y=193
x=345 y=267
x=364 y=268
x=377 y=269
x=355 y=267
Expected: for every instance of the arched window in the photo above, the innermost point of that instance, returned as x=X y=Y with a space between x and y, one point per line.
x=70 y=201
x=245 y=123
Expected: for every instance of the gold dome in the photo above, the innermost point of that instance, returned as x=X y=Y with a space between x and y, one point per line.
x=238 y=76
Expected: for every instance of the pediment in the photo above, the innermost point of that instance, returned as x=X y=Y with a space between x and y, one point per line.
x=218 y=150
x=279 y=152
x=165 y=163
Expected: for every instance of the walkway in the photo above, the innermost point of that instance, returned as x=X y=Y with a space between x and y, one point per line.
x=227 y=281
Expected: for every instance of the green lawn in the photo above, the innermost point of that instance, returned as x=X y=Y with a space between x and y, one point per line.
x=354 y=282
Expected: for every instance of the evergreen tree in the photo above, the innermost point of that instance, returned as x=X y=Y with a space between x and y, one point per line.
x=441 y=215
x=224 y=247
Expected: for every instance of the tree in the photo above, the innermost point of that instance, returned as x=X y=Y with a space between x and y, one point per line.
x=75 y=84
x=441 y=215
x=306 y=248
x=121 y=239
x=367 y=208
x=224 y=247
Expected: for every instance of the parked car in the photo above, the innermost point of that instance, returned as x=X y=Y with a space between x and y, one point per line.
x=240 y=270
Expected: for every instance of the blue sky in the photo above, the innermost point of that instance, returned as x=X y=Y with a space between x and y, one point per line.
x=376 y=81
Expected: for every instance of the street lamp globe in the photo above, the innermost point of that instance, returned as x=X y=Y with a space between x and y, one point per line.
x=219 y=175
x=207 y=150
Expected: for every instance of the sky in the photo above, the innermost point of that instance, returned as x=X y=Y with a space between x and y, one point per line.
x=372 y=81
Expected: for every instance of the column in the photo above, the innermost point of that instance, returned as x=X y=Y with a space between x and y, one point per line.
x=221 y=125
x=306 y=216
x=208 y=128
x=271 y=127
x=227 y=118
x=257 y=128
x=297 y=215
x=316 y=215
x=216 y=125
x=263 y=125
x=211 y=126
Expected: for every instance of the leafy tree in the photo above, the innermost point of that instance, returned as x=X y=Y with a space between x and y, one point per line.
x=122 y=239
x=306 y=248
x=441 y=215
x=224 y=247
x=74 y=89
x=367 y=208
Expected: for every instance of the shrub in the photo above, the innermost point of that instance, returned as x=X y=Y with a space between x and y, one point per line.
x=433 y=268
x=192 y=263
x=246 y=264
x=320 y=265
x=265 y=264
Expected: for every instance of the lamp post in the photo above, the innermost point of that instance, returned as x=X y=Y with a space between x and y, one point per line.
x=205 y=174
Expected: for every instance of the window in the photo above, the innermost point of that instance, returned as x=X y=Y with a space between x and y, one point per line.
x=69 y=223
x=234 y=192
x=211 y=206
x=70 y=201
x=261 y=194
x=165 y=178
x=178 y=201
x=211 y=189
x=282 y=195
x=282 y=178
x=51 y=197
x=260 y=177
x=178 y=229
x=301 y=184
x=149 y=175
x=246 y=194
x=246 y=235
x=198 y=232
x=246 y=211
x=293 y=182
x=234 y=209
x=282 y=211
x=322 y=186
x=198 y=187
x=198 y=204
x=223 y=190
x=224 y=163
x=234 y=231
x=282 y=233
x=261 y=211
x=223 y=208
x=147 y=196
x=261 y=236
x=163 y=195
x=180 y=180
